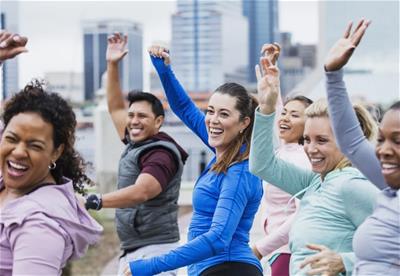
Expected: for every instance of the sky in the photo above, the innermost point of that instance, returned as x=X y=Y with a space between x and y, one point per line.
x=55 y=33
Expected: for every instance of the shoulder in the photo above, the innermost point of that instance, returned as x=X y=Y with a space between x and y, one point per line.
x=353 y=184
x=240 y=172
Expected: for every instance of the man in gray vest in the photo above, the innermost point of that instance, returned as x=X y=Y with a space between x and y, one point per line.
x=149 y=173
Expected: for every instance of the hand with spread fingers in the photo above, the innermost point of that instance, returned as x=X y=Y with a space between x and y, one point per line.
x=268 y=84
x=272 y=51
x=11 y=45
x=160 y=52
x=326 y=262
x=116 y=49
x=343 y=49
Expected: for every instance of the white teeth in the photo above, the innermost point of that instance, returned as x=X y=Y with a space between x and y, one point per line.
x=316 y=160
x=389 y=166
x=216 y=130
x=17 y=166
x=284 y=126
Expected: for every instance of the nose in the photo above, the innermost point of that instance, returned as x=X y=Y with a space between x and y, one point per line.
x=311 y=148
x=214 y=119
x=285 y=117
x=134 y=120
x=19 y=151
x=385 y=149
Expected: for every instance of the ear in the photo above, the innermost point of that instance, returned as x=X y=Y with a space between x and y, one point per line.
x=159 y=121
x=57 y=152
x=245 y=123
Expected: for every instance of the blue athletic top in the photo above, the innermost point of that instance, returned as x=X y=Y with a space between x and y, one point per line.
x=224 y=205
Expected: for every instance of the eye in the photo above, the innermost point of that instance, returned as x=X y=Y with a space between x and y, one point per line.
x=322 y=141
x=36 y=147
x=210 y=111
x=283 y=113
x=380 y=139
x=306 y=140
x=295 y=116
x=224 y=114
x=10 y=139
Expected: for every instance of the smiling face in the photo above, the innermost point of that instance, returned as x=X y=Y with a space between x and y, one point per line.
x=388 y=148
x=223 y=122
x=141 y=122
x=26 y=151
x=320 y=145
x=291 y=122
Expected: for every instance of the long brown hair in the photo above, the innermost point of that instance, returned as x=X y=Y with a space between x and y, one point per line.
x=246 y=105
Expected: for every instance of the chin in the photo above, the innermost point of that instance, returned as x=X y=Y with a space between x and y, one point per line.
x=393 y=181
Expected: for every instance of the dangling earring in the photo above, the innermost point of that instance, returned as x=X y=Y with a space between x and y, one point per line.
x=53 y=165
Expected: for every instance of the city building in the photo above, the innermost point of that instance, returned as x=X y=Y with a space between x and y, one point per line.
x=68 y=84
x=95 y=35
x=263 y=27
x=209 y=42
x=9 y=70
x=296 y=61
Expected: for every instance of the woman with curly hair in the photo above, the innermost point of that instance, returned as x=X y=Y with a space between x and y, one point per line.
x=42 y=224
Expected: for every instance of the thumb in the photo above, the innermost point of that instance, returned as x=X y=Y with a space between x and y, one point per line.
x=258 y=72
x=167 y=59
x=124 y=53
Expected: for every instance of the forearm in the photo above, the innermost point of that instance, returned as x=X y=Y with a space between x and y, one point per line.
x=348 y=132
x=123 y=198
x=264 y=163
x=278 y=238
x=115 y=98
x=179 y=101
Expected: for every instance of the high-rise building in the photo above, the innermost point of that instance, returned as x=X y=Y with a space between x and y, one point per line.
x=95 y=35
x=209 y=43
x=9 y=73
x=263 y=28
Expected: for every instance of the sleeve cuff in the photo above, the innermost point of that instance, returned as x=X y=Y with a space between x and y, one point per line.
x=348 y=259
x=159 y=65
x=262 y=115
x=333 y=76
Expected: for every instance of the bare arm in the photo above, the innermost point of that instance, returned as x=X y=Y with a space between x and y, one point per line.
x=115 y=100
x=145 y=188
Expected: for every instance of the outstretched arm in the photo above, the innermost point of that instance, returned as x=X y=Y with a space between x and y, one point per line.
x=263 y=161
x=346 y=126
x=116 y=50
x=178 y=100
x=11 y=45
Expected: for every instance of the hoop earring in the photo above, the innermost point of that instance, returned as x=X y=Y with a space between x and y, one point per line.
x=53 y=165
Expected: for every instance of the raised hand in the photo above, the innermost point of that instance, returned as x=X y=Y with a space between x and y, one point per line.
x=272 y=51
x=326 y=262
x=11 y=45
x=343 y=49
x=116 y=48
x=160 y=52
x=268 y=85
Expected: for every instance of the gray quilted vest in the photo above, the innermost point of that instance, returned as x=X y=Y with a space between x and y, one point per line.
x=156 y=220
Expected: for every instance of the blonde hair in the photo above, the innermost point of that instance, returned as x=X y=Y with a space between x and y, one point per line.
x=368 y=125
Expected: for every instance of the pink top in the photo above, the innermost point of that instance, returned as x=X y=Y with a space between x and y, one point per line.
x=279 y=212
x=41 y=231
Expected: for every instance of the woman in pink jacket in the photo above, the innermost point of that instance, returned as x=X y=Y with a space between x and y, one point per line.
x=280 y=207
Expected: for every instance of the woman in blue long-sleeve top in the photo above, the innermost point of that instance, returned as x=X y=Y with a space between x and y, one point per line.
x=226 y=196
x=377 y=241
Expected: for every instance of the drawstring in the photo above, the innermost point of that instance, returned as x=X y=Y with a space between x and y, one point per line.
x=298 y=194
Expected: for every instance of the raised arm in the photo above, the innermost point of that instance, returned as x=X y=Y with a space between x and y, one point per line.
x=116 y=50
x=11 y=45
x=178 y=100
x=346 y=126
x=263 y=161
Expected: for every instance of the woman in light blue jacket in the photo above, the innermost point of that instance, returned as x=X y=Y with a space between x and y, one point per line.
x=335 y=197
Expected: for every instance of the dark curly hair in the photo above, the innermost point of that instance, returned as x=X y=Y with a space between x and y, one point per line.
x=56 y=111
